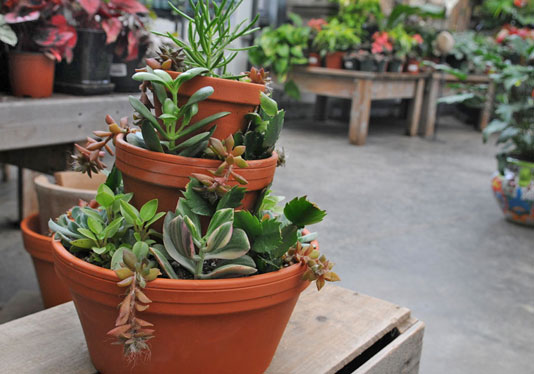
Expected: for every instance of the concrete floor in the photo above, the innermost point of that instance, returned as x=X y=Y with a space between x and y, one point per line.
x=410 y=221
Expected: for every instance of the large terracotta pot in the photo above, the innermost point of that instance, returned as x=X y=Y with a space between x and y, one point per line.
x=513 y=187
x=334 y=60
x=238 y=98
x=150 y=175
x=70 y=187
x=223 y=326
x=31 y=74
x=53 y=291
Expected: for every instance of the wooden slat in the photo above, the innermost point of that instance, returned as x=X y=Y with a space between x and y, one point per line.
x=400 y=356
x=389 y=89
x=333 y=86
x=26 y=123
x=52 y=341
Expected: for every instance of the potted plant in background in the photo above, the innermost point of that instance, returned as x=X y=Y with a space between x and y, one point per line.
x=333 y=41
x=98 y=24
x=176 y=303
x=42 y=37
x=314 y=57
x=380 y=48
x=513 y=184
x=283 y=48
x=129 y=52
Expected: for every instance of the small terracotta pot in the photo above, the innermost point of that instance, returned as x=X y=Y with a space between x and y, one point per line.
x=334 y=60
x=314 y=60
x=31 y=74
x=53 y=291
x=224 y=326
x=69 y=189
x=150 y=175
x=238 y=98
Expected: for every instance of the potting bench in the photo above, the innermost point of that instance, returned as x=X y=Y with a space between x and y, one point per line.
x=438 y=85
x=38 y=134
x=333 y=331
x=362 y=88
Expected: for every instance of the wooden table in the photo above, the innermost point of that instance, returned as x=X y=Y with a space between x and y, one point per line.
x=38 y=134
x=333 y=331
x=362 y=88
x=438 y=85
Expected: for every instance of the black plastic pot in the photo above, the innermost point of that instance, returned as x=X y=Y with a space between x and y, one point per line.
x=89 y=71
x=368 y=64
x=395 y=66
x=381 y=65
x=122 y=71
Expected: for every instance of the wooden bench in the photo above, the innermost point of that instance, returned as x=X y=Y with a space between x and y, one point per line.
x=333 y=331
x=363 y=87
x=38 y=134
x=438 y=85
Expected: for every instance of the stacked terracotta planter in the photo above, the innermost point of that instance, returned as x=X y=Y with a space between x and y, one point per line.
x=202 y=326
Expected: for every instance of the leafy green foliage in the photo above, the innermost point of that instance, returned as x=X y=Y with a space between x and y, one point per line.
x=263 y=130
x=167 y=132
x=220 y=245
x=210 y=34
x=96 y=234
x=499 y=12
x=335 y=36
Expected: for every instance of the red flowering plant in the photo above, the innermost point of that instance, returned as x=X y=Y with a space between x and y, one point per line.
x=121 y=20
x=381 y=43
x=40 y=27
x=316 y=24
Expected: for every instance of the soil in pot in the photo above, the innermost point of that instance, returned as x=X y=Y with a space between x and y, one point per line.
x=89 y=71
x=70 y=187
x=225 y=326
x=150 y=175
x=238 y=98
x=31 y=74
x=53 y=291
x=513 y=187
x=334 y=60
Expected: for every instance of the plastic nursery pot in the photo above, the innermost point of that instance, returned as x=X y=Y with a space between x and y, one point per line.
x=31 y=74
x=70 y=187
x=153 y=175
x=224 y=326
x=53 y=291
x=334 y=60
x=513 y=187
x=314 y=60
x=395 y=66
x=89 y=71
x=381 y=65
x=238 y=98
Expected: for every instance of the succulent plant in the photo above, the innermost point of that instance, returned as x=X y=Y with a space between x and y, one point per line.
x=263 y=130
x=221 y=250
x=134 y=271
x=169 y=131
x=258 y=76
x=168 y=59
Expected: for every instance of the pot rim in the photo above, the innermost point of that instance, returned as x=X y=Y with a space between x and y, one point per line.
x=219 y=80
x=42 y=181
x=181 y=160
x=79 y=265
x=29 y=234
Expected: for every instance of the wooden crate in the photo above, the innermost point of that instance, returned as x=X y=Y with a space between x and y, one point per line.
x=333 y=331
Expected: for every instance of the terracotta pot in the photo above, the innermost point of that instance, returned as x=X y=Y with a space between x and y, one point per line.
x=151 y=175
x=238 y=98
x=334 y=60
x=225 y=326
x=53 y=291
x=31 y=74
x=69 y=189
x=314 y=60
x=513 y=187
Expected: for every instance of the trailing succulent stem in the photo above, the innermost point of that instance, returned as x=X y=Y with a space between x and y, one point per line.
x=134 y=271
x=168 y=132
